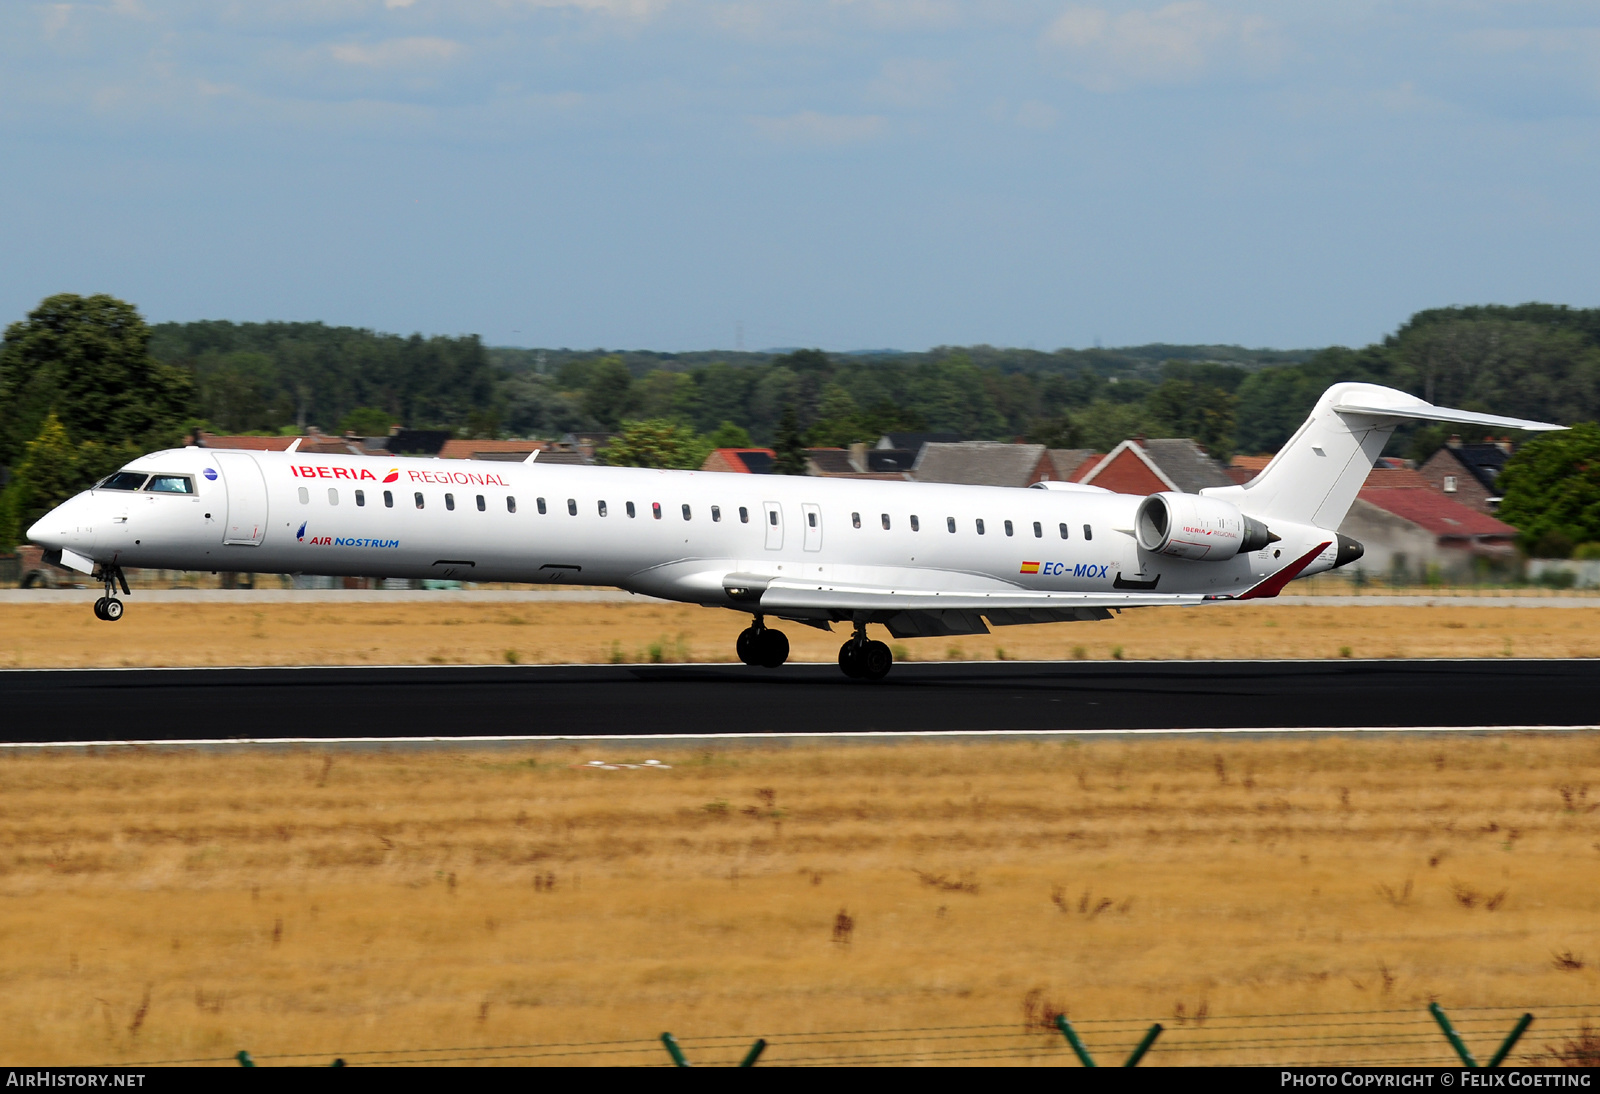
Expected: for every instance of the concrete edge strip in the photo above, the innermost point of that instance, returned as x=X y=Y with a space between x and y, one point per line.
x=486 y=666
x=856 y=735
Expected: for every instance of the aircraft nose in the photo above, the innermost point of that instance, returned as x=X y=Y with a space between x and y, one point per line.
x=47 y=532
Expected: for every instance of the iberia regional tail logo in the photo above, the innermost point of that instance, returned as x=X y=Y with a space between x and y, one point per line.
x=301 y=534
x=394 y=473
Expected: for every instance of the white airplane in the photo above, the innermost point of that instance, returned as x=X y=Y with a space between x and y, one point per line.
x=922 y=559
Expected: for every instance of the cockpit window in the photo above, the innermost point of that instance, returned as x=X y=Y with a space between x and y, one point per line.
x=124 y=480
x=170 y=484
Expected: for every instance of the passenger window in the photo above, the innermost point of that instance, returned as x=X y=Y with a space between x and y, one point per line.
x=333 y=496
x=539 y=503
x=855 y=520
x=418 y=496
x=811 y=519
x=716 y=513
x=602 y=506
x=170 y=484
x=685 y=512
x=572 y=507
x=980 y=526
x=915 y=526
x=1063 y=531
x=482 y=506
x=450 y=502
x=886 y=522
x=511 y=504
x=1008 y=527
x=655 y=509
x=388 y=499
x=950 y=523
x=1038 y=530
x=361 y=497
x=1088 y=532
x=305 y=496
x=744 y=515
x=630 y=509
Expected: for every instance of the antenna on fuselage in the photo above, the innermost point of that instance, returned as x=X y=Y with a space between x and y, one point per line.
x=294 y=444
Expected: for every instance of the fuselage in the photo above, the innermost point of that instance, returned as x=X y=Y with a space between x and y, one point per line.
x=672 y=534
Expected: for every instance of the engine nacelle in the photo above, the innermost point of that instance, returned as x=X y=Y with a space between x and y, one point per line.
x=1197 y=528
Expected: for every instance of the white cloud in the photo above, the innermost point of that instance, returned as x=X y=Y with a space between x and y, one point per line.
x=1034 y=114
x=1177 y=43
x=809 y=128
x=904 y=14
x=397 y=52
x=911 y=82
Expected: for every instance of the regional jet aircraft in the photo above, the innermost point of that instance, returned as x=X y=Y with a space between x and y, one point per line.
x=921 y=559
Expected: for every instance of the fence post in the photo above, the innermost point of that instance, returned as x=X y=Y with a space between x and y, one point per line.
x=1072 y=1039
x=1511 y=1042
x=1451 y=1035
x=673 y=1050
x=754 y=1054
x=1144 y=1046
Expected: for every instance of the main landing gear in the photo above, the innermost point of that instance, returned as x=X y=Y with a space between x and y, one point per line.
x=758 y=644
x=108 y=607
x=862 y=658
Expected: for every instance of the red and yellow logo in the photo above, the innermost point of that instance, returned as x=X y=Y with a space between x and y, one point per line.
x=394 y=473
x=1029 y=568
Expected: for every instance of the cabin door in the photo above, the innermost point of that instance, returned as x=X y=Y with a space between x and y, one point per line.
x=246 y=525
x=773 y=513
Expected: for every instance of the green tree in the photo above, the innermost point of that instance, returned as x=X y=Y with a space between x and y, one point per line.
x=1551 y=490
x=730 y=435
x=87 y=360
x=51 y=470
x=790 y=449
x=656 y=442
x=608 y=394
x=367 y=421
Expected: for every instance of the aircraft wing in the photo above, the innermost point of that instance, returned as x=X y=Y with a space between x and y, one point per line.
x=911 y=613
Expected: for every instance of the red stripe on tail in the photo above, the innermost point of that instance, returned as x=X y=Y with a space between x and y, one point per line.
x=1273 y=585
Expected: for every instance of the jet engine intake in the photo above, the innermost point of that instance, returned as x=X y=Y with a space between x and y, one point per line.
x=1197 y=528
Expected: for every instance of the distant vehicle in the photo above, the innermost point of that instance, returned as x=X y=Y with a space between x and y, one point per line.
x=921 y=559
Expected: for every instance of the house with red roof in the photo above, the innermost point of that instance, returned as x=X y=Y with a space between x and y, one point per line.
x=1408 y=528
x=743 y=461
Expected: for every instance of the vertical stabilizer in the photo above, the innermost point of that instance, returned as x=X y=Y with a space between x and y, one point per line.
x=1315 y=477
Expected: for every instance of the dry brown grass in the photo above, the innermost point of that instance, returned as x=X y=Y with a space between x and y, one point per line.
x=176 y=904
x=463 y=633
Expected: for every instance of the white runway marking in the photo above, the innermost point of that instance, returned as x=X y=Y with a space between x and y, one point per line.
x=660 y=738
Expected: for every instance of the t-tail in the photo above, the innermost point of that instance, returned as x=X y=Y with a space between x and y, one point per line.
x=1314 y=478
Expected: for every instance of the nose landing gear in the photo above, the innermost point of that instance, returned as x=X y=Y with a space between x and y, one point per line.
x=758 y=644
x=862 y=658
x=108 y=607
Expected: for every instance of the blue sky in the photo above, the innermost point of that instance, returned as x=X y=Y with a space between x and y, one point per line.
x=842 y=173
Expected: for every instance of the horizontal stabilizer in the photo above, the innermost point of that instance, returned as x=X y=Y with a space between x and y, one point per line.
x=1429 y=413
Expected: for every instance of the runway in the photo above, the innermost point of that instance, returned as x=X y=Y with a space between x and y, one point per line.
x=601 y=700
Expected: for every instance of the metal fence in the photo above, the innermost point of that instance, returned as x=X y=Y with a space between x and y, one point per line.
x=1413 y=1036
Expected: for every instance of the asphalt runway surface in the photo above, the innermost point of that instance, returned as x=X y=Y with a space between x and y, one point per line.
x=326 y=703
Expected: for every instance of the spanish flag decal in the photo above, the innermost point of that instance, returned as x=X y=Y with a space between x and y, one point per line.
x=1030 y=568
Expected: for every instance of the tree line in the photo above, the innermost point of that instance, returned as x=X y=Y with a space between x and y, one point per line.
x=85 y=385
